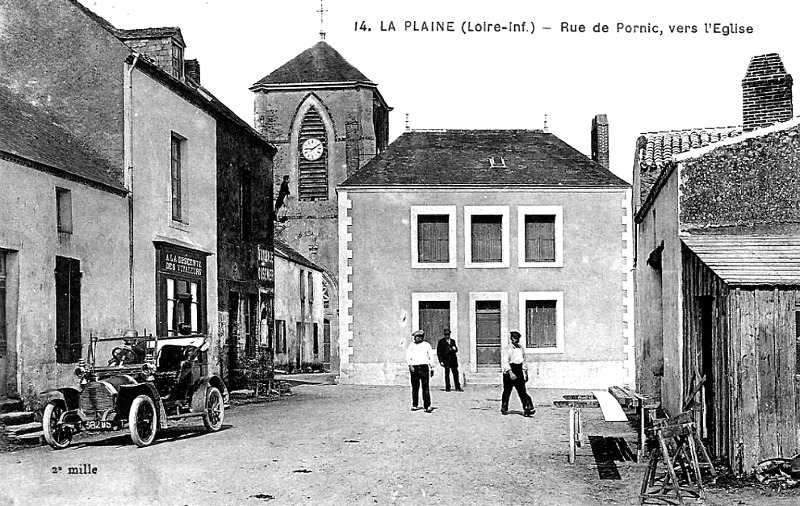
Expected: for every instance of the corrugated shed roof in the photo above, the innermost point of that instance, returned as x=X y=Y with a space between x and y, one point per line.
x=29 y=133
x=483 y=158
x=284 y=250
x=749 y=259
x=317 y=64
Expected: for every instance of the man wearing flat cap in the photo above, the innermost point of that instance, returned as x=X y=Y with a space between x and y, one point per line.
x=419 y=358
x=515 y=374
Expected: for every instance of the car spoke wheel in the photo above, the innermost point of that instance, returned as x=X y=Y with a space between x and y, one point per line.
x=214 y=412
x=143 y=420
x=56 y=434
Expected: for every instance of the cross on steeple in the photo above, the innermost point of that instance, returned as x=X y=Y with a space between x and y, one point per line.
x=321 y=11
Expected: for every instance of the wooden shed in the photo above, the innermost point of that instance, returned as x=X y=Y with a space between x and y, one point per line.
x=741 y=317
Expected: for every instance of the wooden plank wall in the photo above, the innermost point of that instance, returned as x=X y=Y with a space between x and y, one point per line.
x=700 y=281
x=764 y=400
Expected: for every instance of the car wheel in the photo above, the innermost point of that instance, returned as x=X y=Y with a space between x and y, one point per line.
x=56 y=434
x=215 y=410
x=143 y=420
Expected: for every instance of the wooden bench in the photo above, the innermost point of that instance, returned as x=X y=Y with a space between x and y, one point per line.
x=575 y=432
x=627 y=398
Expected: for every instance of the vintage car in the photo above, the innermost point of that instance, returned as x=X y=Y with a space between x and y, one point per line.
x=148 y=384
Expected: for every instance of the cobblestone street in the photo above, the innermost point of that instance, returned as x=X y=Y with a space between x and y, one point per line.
x=349 y=445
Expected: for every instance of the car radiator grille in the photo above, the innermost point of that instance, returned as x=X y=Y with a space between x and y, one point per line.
x=96 y=398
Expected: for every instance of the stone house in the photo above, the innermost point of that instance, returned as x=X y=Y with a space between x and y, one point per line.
x=513 y=230
x=302 y=334
x=717 y=248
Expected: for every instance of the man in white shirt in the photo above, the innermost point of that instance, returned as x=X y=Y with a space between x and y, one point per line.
x=419 y=358
x=515 y=375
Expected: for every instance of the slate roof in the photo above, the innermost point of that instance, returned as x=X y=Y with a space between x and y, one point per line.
x=745 y=259
x=30 y=134
x=462 y=157
x=654 y=150
x=318 y=64
x=151 y=33
x=285 y=251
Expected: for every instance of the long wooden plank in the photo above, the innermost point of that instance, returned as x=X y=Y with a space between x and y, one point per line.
x=612 y=411
x=765 y=343
x=749 y=388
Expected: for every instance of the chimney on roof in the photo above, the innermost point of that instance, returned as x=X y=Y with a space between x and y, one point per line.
x=191 y=69
x=600 y=152
x=767 y=92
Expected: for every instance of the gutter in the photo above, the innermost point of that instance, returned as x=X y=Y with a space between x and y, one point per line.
x=128 y=161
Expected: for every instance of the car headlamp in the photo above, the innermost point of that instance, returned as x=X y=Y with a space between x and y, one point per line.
x=148 y=369
x=80 y=371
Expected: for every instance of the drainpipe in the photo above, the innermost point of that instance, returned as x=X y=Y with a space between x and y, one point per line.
x=128 y=161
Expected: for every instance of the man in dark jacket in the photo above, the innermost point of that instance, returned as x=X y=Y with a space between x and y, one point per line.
x=446 y=350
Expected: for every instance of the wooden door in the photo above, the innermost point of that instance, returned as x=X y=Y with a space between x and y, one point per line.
x=434 y=317
x=487 y=333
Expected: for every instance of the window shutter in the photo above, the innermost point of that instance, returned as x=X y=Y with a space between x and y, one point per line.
x=487 y=238
x=313 y=179
x=433 y=238
x=540 y=238
x=75 y=311
x=541 y=324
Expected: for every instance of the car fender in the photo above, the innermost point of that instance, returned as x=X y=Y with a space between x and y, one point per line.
x=68 y=395
x=127 y=393
x=200 y=389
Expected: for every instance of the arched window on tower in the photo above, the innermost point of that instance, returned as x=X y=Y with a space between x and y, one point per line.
x=312 y=147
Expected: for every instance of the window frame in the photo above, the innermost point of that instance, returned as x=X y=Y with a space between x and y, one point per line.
x=64 y=221
x=469 y=212
x=177 y=61
x=558 y=212
x=176 y=176
x=558 y=297
x=416 y=212
x=68 y=313
x=451 y=297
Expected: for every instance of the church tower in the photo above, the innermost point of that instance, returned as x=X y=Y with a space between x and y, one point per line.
x=327 y=120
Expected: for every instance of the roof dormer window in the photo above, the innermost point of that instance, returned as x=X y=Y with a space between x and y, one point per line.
x=497 y=161
x=177 y=61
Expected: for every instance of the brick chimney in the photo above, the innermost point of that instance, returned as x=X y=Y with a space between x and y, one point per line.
x=600 y=152
x=191 y=69
x=766 y=92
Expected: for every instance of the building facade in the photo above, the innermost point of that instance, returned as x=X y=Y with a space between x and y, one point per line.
x=717 y=244
x=327 y=120
x=514 y=230
x=302 y=339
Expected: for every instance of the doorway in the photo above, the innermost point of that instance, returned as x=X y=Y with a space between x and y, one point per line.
x=707 y=370
x=487 y=334
x=434 y=317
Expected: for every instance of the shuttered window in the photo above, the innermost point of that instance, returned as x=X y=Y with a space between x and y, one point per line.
x=313 y=178
x=797 y=342
x=280 y=336
x=68 y=310
x=540 y=238
x=540 y=324
x=433 y=238
x=487 y=238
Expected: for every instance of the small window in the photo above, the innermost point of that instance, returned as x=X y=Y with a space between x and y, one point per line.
x=487 y=239
x=68 y=310
x=316 y=339
x=183 y=307
x=433 y=238
x=64 y=210
x=177 y=61
x=302 y=286
x=310 y=287
x=280 y=336
x=176 y=176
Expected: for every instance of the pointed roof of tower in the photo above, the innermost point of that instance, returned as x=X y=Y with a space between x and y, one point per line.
x=318 y=64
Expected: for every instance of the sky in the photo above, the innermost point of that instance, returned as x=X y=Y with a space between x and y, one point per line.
x=645 y=73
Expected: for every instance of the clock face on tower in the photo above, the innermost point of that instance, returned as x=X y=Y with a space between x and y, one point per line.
x=312 y=149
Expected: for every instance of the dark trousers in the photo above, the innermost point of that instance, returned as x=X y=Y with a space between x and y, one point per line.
x=421 y=375
x=519 y=384
x=447 y=369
